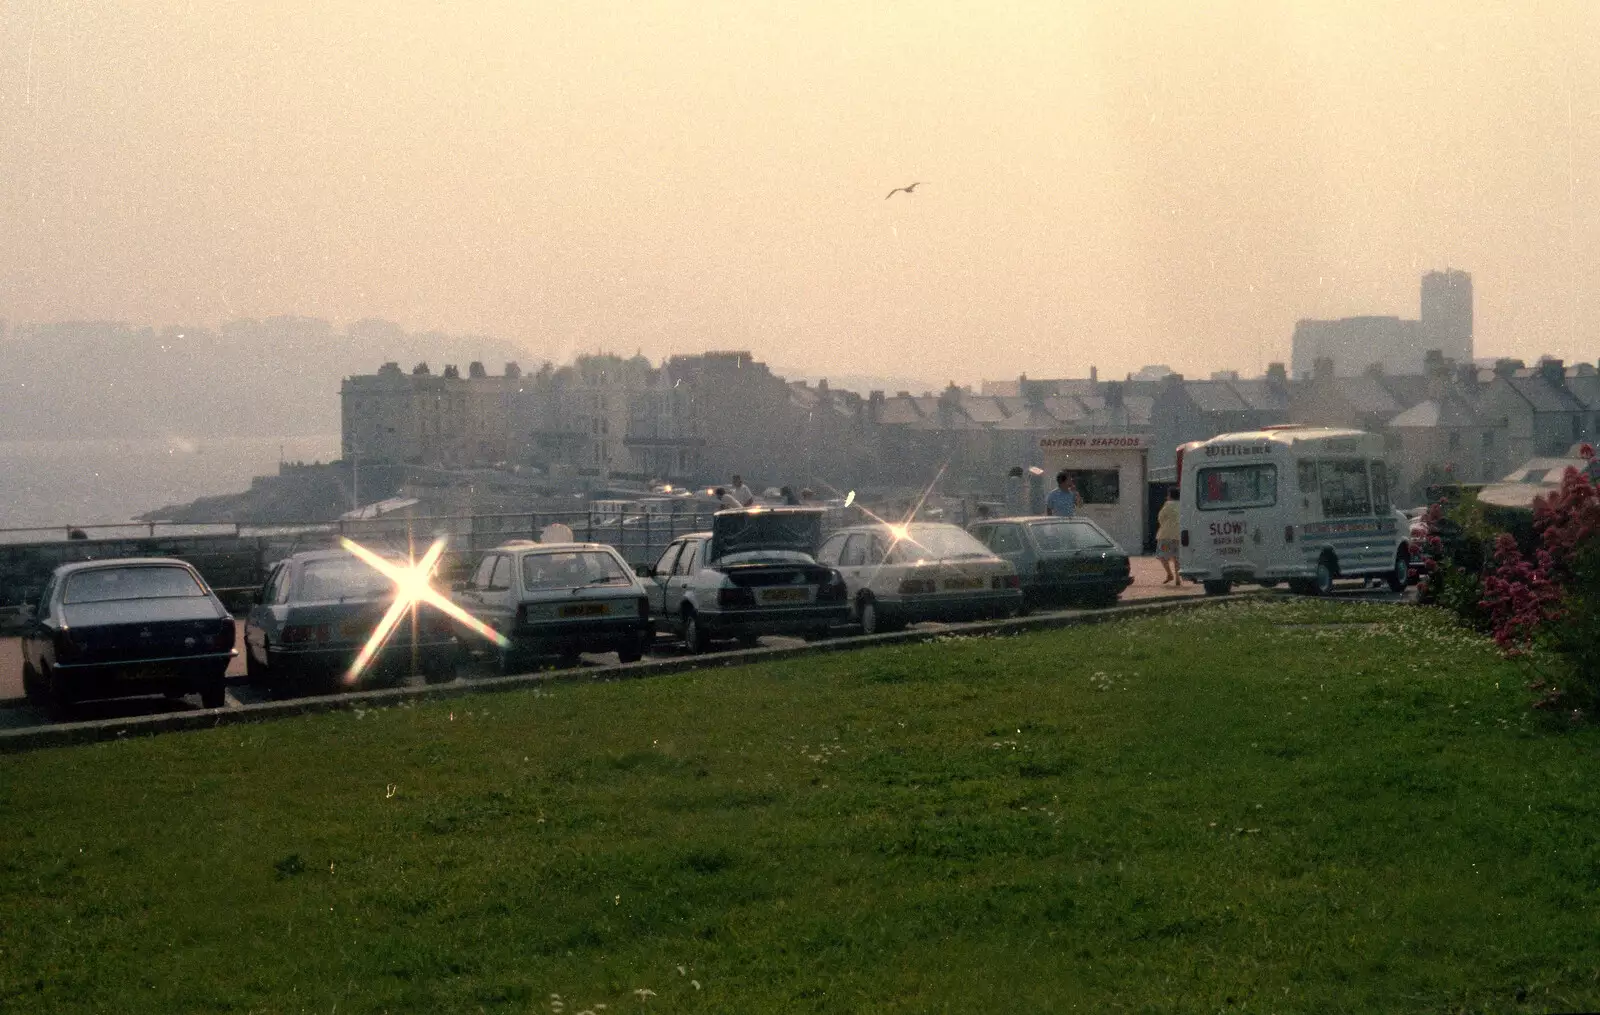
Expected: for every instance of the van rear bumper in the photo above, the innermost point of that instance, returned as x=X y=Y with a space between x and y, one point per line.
x=1248 y=575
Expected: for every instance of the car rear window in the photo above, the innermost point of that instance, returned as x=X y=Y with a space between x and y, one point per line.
x=109 y=584
x=325 y=580
x=1064 y=537
x=572 y=570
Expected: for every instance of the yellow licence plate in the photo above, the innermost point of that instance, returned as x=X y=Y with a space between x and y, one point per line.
x=964 y=583
x=785 y=595
x=585 y=610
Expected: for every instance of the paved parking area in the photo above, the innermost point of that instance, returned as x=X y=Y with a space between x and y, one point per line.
x=16 y=714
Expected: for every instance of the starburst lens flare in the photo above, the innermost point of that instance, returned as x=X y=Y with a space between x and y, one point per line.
x=413 y=584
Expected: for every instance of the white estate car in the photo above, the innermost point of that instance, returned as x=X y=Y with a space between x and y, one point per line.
x=752 y=574
x=900 y=574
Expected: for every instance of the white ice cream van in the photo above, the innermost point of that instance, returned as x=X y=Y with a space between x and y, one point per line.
x=1299 y=504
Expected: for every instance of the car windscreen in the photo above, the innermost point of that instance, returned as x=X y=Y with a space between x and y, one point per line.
x=934 y=542
x=1064 y=537
x=572 y=570
x=105 y=585
x=1237 y=486
x=768 y=557
x=335 y=578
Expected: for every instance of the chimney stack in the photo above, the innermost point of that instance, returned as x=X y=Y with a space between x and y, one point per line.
x=1554 y=372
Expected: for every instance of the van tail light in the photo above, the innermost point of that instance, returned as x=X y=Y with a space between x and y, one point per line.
x=644 y=608
x=834 y=590
x=1183 y=537
x=522 y=614
x=1288 y=533
x=1009 y=581
x=223 y=640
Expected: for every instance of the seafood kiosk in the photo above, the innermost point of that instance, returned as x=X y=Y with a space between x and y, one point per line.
x=1110 y=472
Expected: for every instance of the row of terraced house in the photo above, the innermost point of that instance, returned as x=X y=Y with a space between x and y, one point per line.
x=695 y=419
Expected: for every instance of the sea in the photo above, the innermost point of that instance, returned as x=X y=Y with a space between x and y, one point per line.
x=59 y=483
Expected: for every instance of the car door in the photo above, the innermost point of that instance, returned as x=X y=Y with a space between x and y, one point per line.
x=682 y=573
x=33 y=631
x=259 y=624
x=852 y=561
x=1006 y=542
x=497 y=597
x=470 y=594
x=660 y=574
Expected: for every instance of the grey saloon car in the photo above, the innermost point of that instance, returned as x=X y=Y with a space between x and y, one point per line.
x=1060 y=560
x=316 y=612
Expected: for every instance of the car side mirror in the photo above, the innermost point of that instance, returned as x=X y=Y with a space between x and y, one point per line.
x=460 y=586
x=644 y=570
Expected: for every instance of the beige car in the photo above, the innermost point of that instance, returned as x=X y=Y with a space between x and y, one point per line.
x=900 y=574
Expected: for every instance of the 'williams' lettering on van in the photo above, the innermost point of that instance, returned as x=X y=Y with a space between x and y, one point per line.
x=1230 y=450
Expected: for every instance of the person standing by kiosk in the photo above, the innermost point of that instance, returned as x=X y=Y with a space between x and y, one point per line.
x=1063 y=500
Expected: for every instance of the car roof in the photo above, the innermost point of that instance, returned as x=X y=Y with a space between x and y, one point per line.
x=91 y=565
x=308 y=555
x=773 y=509
x=880 y=526
x=1036 y=519
x=530 y=545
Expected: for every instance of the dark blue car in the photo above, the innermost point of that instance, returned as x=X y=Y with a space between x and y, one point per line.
x=116 y=628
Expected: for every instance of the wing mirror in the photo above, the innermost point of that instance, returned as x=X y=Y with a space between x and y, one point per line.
x=460 y=586
x=644 y=570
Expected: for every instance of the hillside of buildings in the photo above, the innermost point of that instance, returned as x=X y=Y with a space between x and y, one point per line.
x=100 y=380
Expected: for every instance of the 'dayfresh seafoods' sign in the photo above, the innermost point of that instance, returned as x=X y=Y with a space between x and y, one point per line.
x=1096 y=442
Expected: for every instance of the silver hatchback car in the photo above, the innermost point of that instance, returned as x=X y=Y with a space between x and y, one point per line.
x=558 y=599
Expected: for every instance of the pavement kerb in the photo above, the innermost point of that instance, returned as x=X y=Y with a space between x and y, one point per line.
x=65 y=734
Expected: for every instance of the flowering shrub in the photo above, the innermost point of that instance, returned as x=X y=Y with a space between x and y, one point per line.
x=1520 y=595
x=1535 y=588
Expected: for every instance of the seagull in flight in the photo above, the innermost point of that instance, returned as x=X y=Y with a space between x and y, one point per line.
x=908 y=188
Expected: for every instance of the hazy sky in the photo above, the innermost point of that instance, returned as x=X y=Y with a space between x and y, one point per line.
x=1108 y=184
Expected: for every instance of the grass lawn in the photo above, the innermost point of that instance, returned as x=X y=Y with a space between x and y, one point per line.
x=1289 y=806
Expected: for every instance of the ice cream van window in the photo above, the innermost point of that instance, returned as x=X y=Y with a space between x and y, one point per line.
x=1344 y=487
x=1238 y=486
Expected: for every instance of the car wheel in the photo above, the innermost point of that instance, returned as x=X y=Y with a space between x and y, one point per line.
x=1218 y=588
x=57 y=699
x=510 y=659
x=441 y=670
x=1400 y=574
x=868 y=611
x=214 y=692
x=1322 y=584
x=30 y=684
x=695 y=636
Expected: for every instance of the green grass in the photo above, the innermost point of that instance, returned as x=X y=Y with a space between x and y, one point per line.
x=1266 y=807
